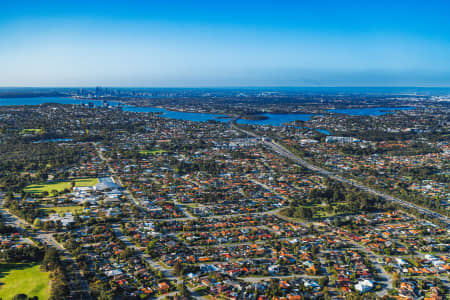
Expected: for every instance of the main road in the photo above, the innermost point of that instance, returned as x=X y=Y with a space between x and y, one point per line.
x=79 y=287
x=168 y=273
x=286 y=153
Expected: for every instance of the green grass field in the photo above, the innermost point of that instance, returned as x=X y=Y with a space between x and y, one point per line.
x=191 y=205
x=59 y=186
x=32 y=130
x=23 y=279
x=86 y=182
x=151 y=152
x=75 y=210
x=319 y=211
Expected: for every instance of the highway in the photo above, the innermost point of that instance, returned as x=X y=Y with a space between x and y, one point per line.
x=286 y=153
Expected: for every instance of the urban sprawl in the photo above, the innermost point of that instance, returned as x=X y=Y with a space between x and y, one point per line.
x=102 y=202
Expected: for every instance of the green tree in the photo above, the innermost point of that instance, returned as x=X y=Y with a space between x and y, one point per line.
x=37 y=223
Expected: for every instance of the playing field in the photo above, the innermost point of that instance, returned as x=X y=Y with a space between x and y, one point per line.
x=59 y=186
x=32 y=130
x=151 y=152
x=23 y=279
x=86 y=182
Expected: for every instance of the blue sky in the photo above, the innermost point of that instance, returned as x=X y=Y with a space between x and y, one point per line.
x=225 y=43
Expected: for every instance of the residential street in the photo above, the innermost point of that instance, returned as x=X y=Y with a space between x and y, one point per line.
x=284 y=152
x=78 y=285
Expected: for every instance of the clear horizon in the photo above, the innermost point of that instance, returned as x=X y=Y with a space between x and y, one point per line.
x=215 y=44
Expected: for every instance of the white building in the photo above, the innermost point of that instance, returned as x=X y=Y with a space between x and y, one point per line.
x=364 y=286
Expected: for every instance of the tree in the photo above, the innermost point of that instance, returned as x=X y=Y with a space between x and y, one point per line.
x=37 y=223
x=178 y=268
x=182 y=289
x=51 y=259
x=395 y=280
x=60 y=289
x=323 y=281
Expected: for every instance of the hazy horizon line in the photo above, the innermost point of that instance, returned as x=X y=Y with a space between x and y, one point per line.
x=225 y=86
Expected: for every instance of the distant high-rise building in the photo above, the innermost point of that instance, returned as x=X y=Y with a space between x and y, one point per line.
x=99 y=91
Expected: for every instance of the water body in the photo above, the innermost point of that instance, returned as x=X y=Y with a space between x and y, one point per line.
x=272 y=119
x=196 y=117
x=324 y=131
x=42 y=100
x=277 y=119
x=187 y=116
x=53 y=141
x=372 y=111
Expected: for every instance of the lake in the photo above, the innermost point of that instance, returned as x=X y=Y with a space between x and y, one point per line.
x=196 y=117
x=273 y=119
x=279 y=119
x=42 y=100
x=53 y=141
x=187 y=116
x=372 y=111
x=276 y=119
